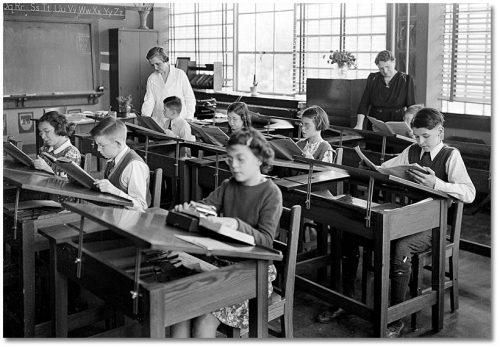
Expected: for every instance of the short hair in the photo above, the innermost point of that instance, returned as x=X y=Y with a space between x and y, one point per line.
x=257 y=144
x=384 y=55
x=241 y=109
x=428 y=118
x=318 y=115
x=59 y=122
x=157 y=52
x=413 y=109
x=173 y=103
x=110 y=127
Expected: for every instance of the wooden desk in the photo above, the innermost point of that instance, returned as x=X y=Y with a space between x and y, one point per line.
x=378 y=226
x=23 y=235
x=158 y=304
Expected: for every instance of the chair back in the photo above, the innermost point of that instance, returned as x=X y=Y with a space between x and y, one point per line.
x=289 y=222
x=339 y=156
x=455 y=213
x=155 y=182
x=86 y=163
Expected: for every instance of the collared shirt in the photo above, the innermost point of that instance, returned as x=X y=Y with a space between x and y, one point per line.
x=180 y=127
x=459 y=184
x=157 y=90
x=134 y=176
x=66 y=150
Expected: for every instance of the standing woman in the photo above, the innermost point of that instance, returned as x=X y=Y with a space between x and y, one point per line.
x=166 y=81
x=387 y=93
x=55 y=132
x=238 y=117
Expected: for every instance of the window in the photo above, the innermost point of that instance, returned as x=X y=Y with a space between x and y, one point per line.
x=359 y=28
x=203 y=32
x=467 y=59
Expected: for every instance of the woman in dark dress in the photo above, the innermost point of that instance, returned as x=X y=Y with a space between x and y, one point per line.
x=387 y=93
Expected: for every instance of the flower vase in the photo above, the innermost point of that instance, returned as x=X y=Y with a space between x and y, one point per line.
x=143 y=16
x=341 y=71
x=253 y=91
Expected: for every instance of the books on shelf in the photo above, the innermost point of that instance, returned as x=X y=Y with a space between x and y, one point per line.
x=17 y=154
x=223 y=230
x=209 y=134
x=401 y=129
x=285 y=148
x=400 y=171
x=150 y=123
x=76 y=172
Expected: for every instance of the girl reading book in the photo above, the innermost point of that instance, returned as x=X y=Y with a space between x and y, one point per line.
x=238 y=117
x=314 y=121
x=248 y=202
x=55 y=131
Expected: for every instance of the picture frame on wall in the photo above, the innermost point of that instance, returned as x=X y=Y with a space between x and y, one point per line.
x=26 y=122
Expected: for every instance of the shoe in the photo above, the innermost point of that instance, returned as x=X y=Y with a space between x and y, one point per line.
x=394 y=329
x=326 y=317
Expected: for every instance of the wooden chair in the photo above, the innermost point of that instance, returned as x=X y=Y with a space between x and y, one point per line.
x=281 y=300
x=424 y=261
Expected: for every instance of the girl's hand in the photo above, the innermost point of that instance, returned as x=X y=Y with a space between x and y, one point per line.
x=308 y=155
x=180 y=207
x=106 y=186
x=227 y=221
x=41 y=164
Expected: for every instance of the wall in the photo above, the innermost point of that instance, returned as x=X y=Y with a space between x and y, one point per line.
x=131 y=21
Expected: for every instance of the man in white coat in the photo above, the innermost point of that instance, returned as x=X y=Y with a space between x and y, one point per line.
x=166 y=81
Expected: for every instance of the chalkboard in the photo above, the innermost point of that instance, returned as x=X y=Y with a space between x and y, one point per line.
x=47 y=57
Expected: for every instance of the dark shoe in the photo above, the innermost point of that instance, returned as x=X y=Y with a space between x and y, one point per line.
x=326 y=317
x=394 y=329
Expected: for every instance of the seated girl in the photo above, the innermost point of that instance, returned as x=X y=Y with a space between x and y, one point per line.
x=55 y=132
x=250 y=203
x=238 y=117
x=314 y=121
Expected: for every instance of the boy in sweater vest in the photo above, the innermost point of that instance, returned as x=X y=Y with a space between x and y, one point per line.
x=446 y=173
x=126 y=174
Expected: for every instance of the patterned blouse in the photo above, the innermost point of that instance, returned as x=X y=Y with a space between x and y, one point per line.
x=320 y=150
x=65 y=150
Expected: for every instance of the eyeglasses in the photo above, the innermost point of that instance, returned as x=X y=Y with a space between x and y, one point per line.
x=46 y=132
x=238 y=161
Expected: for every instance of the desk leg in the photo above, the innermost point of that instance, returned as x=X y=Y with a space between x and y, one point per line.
x=155 y=326
x=58 y=295
x=195 y=188
x=438 y=270
x=382 y=252
x=258 y=309
x=27 y=271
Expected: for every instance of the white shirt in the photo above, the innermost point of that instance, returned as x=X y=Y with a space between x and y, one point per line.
x=459 y=184
x=134 y=177
x=180 y=127
x=157 y=90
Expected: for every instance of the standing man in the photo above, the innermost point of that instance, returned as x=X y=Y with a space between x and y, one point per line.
x=166 y=81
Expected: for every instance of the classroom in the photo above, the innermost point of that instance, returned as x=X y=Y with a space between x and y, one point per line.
x=315 y=171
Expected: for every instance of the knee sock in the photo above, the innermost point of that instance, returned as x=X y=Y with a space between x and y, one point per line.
x=399 y=282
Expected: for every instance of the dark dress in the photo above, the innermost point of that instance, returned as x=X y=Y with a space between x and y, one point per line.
x=387 y=103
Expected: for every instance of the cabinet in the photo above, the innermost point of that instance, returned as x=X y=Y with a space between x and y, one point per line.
x=129 y=69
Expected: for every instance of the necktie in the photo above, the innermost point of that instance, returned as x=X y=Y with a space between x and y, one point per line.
x=109 y=166
x=170 y=125
x=426 y=159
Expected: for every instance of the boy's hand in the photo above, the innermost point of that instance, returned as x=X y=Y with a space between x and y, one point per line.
x=106 y=186
x=41 y=164
x=169 y=132
x=428 y=180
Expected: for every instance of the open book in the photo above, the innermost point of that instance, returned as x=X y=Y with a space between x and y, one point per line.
x=226 y=231
x=198 y=209
x=75 y=172
x=399 y=171
x=48 y=156
x=285 y=148
x=391 y=128
x=209 y=134
x=17 y=154
x=150 y=123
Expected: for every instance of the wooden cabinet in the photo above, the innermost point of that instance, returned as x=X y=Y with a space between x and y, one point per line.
x=129 y=70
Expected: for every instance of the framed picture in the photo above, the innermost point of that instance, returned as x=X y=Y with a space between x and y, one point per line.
x=5 y=124
x=74 y=110
x=26 y=124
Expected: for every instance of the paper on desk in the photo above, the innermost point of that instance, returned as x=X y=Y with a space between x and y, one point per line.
x=208 y=243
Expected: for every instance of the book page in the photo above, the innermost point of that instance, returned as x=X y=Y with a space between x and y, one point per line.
x=208 y=243
x=381 y=127
x=75 y=172
x=221 y=229
x=17 y=154
x=364 y=158
x=285 y=148
x=400 y=128
x=150 y=123
x=401 y=171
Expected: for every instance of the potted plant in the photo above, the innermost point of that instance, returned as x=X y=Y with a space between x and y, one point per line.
x=344 y=61
x=124 y=105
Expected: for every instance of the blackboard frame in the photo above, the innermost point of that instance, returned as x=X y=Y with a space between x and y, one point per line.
x=71 y=98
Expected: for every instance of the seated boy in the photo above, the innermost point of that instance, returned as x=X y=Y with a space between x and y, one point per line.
x=126 y=174
x=446 y=173
x=175 y=125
